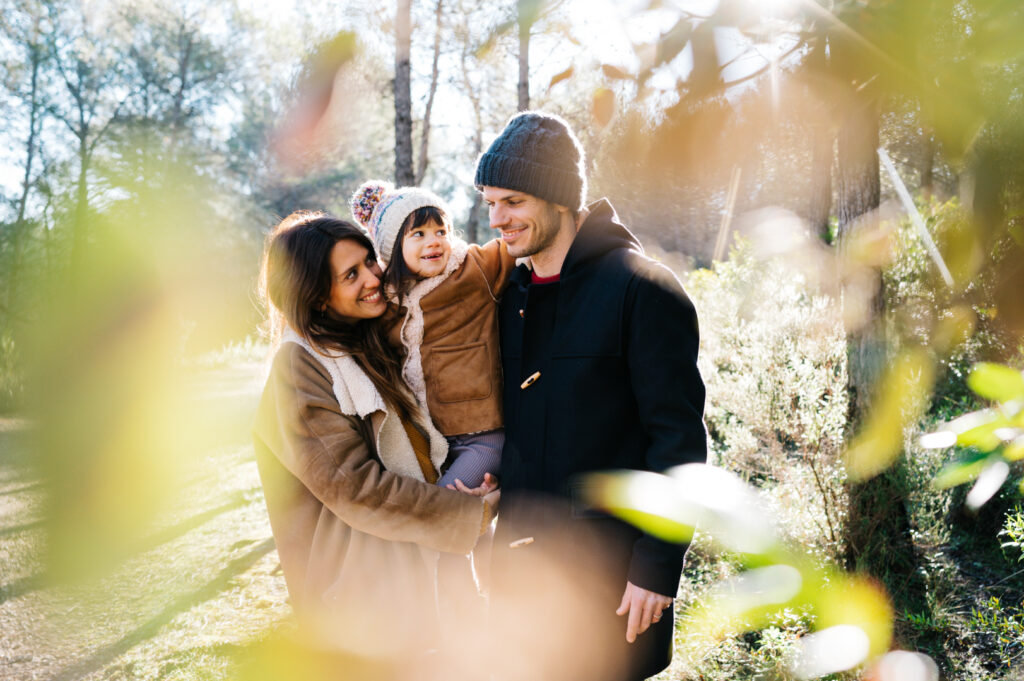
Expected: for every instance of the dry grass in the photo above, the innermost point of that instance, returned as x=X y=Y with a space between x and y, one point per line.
x=204 y=583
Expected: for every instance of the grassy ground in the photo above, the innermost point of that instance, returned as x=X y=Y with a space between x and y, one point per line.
x=204 y=583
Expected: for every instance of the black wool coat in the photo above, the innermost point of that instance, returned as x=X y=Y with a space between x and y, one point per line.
x=618 y=389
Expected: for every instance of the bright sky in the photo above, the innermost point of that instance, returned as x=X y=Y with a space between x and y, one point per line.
x=606 y=31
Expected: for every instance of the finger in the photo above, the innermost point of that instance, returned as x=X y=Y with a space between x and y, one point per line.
x=461 y=486
x=633 y=626
x=624 y=605
x=649 y=612
x=450 y=486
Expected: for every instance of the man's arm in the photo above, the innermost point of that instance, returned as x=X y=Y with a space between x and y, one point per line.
x=662 y=342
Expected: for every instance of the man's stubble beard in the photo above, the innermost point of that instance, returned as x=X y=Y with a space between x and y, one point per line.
x=543 y=234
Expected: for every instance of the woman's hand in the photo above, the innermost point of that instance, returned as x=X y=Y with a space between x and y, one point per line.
x=488 y=486
x=492 y=499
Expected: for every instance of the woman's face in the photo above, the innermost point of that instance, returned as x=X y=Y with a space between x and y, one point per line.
x=355 y=283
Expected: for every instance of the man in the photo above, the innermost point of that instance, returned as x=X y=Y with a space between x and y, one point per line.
x=599 y=353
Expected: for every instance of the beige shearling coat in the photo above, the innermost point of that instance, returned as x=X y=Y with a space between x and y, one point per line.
x=448 y=327
x=358 y=542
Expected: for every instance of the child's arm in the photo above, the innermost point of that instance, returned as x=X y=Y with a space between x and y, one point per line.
x=495 y=263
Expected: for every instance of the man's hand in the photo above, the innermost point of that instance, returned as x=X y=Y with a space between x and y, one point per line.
x=643 y=607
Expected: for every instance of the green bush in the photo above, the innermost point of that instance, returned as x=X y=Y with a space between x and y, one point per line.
x=773 y=356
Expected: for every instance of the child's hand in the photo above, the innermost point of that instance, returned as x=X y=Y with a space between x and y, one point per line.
x=489 y=484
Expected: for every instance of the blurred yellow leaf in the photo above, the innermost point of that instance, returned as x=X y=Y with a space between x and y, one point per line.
x=559 y=77
x=614 y=72
x=602 y=106
x=860 y=602
x=901 y=398
x=996 y=382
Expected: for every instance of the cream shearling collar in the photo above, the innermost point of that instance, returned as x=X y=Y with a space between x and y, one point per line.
x=357 y=396
x=412 y=326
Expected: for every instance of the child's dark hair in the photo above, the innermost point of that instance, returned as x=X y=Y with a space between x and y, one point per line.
x=397 y=275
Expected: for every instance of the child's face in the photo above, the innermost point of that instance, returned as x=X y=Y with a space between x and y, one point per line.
x=426 y=249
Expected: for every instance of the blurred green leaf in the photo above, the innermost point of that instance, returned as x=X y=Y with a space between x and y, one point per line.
x=996 y=382
x=958 y=472
x=983 y=436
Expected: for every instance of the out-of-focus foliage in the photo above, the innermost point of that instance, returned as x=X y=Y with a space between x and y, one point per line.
x=11 y=375
x=851 y=616
x=116 y=422
x=989 y=439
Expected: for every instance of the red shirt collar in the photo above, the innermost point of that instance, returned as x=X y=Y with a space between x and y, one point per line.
x=534 y=279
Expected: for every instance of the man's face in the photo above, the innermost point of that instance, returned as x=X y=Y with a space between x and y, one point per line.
x=528 y=225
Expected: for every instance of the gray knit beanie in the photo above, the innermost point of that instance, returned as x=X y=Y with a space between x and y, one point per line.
x=537 y=153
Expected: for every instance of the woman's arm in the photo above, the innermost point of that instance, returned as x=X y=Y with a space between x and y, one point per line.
x=328 y=452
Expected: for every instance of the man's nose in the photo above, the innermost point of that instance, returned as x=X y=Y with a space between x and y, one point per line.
x=498 y=216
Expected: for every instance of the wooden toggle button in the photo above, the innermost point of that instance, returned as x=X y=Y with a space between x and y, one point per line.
x=530 y=380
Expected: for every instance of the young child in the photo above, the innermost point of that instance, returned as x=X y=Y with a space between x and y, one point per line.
x=446 y=292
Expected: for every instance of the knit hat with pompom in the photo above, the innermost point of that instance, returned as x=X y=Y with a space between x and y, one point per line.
x=381 y=208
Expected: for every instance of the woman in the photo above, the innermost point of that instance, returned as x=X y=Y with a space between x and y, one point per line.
x=346 y=461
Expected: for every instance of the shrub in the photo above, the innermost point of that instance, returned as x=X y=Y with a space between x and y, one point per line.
x=773 y=357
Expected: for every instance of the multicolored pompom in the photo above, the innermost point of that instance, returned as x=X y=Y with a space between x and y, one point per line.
x=366 y=198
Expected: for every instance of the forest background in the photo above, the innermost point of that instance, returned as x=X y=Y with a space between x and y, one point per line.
x=838 y=186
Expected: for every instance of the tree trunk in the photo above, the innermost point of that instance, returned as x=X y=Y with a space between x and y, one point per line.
x=20 y=227
x=403 y=95
x=524 y=60
x=80 y=226
x=421 y=166
x=878 y=535
x=858 y=189
x=820 y=205
x=927 y=169
x=822 y=155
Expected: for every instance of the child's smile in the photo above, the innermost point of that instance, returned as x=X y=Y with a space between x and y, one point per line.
x=426 y=249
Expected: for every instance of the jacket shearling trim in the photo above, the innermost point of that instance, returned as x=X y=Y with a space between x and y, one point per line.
x=357 y=396
x=412 y=329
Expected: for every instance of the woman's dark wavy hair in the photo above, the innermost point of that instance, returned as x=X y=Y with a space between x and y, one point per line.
x=398 y=278
x=295 y=281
